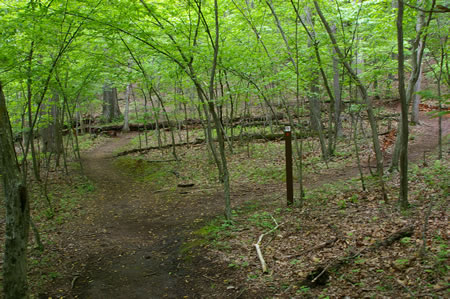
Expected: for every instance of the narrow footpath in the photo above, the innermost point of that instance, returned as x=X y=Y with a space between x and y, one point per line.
x=136 y=233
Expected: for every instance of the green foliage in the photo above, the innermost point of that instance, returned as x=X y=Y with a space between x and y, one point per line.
x=263 y=220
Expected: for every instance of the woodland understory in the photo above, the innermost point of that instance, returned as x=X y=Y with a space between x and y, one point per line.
x=142 y=149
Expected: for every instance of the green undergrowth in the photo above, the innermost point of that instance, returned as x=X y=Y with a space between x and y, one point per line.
x=52 y=215
x=213 y=233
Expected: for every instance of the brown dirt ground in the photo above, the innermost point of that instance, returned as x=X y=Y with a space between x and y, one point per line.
x=128 y=244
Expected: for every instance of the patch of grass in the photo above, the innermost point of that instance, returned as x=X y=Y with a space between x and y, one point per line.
x=87 y=141
x=262 y=220
x=207 y=234
x=157 y=174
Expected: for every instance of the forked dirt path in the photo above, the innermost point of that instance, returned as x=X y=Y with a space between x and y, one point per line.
x=133 y=236
x=136 y=233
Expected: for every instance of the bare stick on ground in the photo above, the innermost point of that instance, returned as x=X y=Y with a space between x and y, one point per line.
x=258 y=245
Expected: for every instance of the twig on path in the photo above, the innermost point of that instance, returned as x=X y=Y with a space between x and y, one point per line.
x=258 y=244
x=207 y=277
x=74 y=280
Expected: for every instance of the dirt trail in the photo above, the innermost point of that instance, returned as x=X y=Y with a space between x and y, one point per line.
x=425 y=141
x=137 y=233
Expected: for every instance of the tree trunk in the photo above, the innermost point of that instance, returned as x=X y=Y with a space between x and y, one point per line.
x=52 y=141
x=416 y=97
x=314 y=102
x=110 y=103
x=416 y=60
x=337 y=92
x=30 y=135
x=126 y=122
x=174 y=152
x=17 y=212
x=404 y=114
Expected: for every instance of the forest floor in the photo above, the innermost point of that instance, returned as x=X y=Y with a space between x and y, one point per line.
x=135 y=239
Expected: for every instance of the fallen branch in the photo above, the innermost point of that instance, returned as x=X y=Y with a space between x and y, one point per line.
x=258 y=244
x=317 y=247
x=319 y=275
x=160 y=161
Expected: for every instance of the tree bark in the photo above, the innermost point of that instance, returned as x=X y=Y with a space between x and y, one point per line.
x=52 y=134
x=17 y=212
x=417 y=86
x=416 y=59
x=126 y=122
x=110 y=103
x=337 y=92
x=404 y=108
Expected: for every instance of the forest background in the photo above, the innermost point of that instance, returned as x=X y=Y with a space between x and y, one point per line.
x=349 y=77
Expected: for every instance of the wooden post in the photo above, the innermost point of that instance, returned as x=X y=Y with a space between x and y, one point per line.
x=289 y=178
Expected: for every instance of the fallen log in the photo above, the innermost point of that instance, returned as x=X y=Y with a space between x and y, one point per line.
x=146 y=149
x=188 y=122
x=149 y=126
x=247 y=119
x=243 y=137
x=319 y=276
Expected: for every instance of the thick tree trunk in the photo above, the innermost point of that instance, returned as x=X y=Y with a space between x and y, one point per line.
x=110 y=103
x=17 y=212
